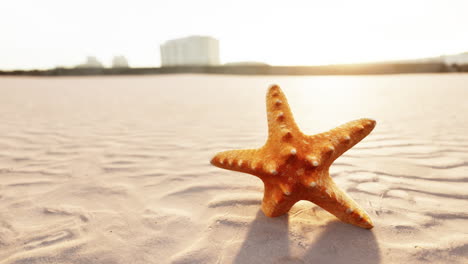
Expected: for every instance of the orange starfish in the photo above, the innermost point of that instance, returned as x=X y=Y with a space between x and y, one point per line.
x=294 y=166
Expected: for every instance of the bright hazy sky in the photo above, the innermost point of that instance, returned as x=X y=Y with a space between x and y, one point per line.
x=47 y=33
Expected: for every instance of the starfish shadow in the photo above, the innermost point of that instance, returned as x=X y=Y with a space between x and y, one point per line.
x=267 y=237
x=343 y=243
x=268 y=242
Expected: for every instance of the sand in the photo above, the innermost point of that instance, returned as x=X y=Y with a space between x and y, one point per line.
x=116 y=170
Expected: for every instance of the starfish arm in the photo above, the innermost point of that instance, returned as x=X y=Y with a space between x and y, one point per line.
x=338 y=140
x=243 y=160
x=331 y=198
x=275 y=202
x=281 y=124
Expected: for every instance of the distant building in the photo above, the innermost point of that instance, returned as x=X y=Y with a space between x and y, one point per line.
x=246 y=63
x=452 y=59
x=194 y=50
x=119 y=62
x=91 y=62
x=458 y=59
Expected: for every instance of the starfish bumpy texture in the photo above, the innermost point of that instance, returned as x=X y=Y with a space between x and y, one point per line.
x=295 y=167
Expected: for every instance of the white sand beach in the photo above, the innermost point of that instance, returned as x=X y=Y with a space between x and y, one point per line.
x=116 y=170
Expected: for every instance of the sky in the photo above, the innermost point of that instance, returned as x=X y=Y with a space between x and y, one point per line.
x=48 y=33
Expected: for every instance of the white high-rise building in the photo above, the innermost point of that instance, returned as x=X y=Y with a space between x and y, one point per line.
x=193 y=50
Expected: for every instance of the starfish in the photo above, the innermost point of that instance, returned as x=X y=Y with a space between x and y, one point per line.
x=294 y=166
